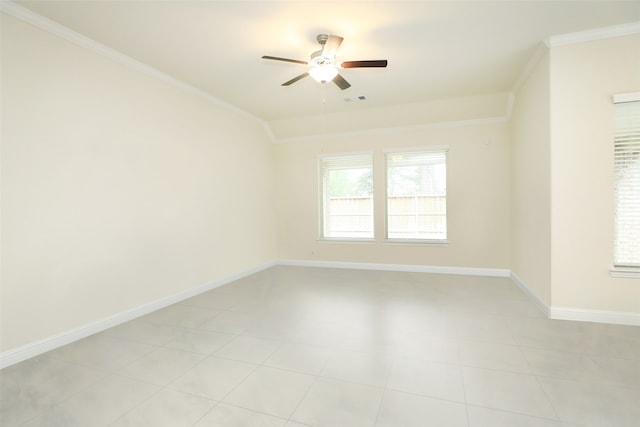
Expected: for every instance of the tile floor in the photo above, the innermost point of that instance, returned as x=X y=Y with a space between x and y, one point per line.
x=294 y=347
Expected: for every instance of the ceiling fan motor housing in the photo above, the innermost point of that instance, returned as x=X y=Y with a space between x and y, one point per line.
x=318 y=60
x=322 y=39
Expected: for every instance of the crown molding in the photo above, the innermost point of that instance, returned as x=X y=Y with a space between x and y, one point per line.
x=594 y=34
x=52 y=27
x=540 y=51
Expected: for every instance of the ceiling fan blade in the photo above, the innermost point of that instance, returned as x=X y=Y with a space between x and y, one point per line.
x=331 y=46
x=275 y=58
x=295 y=79
x=362 y=64
x=341 y=82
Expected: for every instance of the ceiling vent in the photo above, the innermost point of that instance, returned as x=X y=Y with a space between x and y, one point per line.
x=356 y=99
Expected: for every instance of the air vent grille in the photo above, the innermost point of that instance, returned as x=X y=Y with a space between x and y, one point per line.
x=356 y=99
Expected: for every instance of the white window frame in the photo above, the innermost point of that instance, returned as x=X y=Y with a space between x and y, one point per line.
x=354 y=159
x=626 y=142
x=440 y=150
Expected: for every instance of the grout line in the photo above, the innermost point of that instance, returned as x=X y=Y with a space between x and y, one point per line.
x=281 y=342
x=384 y=392
x=132 y=409
x=215 y=405
x=304 y=396
x=464 y=387
x=243 y=408
x=537 y=417
x=555 y=411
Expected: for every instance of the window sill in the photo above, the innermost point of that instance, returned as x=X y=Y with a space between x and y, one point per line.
x=345 y=240
x=626 y=272
x=429 y=242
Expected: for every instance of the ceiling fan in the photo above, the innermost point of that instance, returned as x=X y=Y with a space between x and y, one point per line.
x=324 y=64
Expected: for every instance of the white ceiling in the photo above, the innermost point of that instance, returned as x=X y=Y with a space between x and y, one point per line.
x=436 y=49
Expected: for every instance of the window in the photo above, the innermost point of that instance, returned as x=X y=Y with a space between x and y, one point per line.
x=627 y=181
x=417 y=195
x=347 y=197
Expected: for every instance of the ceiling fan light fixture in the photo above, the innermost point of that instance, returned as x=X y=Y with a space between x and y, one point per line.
x=323 y=73
x=323 y=65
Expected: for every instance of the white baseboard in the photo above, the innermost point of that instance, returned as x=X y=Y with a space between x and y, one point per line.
x=542 y=306
x=469 y=271
x=577 y=314
x=44 y=345
x=598 y=316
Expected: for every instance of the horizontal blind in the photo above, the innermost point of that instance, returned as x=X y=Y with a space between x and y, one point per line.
x=627 y=184
x=415 y=158
x=347 y=162
x=416 y=195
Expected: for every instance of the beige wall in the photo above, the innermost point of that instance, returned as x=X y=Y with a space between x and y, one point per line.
x=583 y=79
x=561 y=138
x=530 y=164
x=117 y=189
x=362 y=118
x=113 y=182
x=478 y=198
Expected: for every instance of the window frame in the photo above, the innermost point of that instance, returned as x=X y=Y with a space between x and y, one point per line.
x=436 y=149
x=322 y=199
x=621 y=269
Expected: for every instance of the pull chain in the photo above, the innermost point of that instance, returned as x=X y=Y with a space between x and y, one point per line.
x=322 y=111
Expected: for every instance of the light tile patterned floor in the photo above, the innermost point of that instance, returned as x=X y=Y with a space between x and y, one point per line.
x=295 y=347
